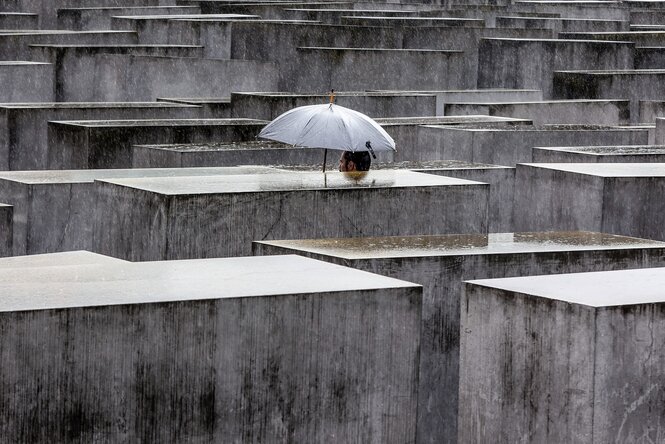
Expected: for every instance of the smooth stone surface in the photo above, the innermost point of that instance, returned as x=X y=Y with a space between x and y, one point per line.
x=185 y=217
x=64 y=259
x=187 y=350
x=441 y=263
x=581 y=348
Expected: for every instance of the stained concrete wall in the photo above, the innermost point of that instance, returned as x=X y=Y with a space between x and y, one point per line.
x=6 y=229
x=510 y=146
x=230 y=154
x=441 y=264
x=108 y=144
x=573 y=112
x=212 y=363
x=127 y=77
x=181 y=218
x=563 y=24
x=18 y=20
x=612 y=198
x=635 y=85
x=16 y=46
x=26 y=82
x=23 y=127
x=54 y=210
x=82 y=19
x=374 y=104
x=528 y=63
x=660 y=131
x=359 y=69
x=587 y=371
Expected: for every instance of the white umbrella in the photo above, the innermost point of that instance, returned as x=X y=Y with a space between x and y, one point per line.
x=329 y=126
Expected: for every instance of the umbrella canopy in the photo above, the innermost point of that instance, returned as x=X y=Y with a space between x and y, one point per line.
x=329 y=126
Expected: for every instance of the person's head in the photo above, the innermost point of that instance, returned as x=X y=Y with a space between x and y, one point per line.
x=358 y=161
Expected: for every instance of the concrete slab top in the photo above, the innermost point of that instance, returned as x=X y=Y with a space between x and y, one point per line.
x=83 y=46
x=539 y=102
x=563 y=41
x=457 y=91
x=185 y=16
x=614 y=72
x=56 y=259
x=13 y=32
x=125 y=283
x=288 y=95
x=540 y=128
x=21 y=63
x=287 y=181
x=359 y=11
x=568 y=19
x=91 y=105
x=597 y=289
x=635 y=170
x=196 y=100
x=437 y=165
x=37 y=177
x=617 y=150
x=159 y=122
x=222 y=146
x=387 y=50
x=365 y=248
x=446 y=120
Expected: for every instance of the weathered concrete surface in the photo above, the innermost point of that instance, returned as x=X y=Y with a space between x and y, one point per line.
x=509 y=146
x=26 y=82
x=269 y=105
x=229 y=154
x=406 y=131
x=501 y=180
x=82 y=19
x=529 y=63
x=608 y=197
x=18 y=20
x=601 y=154
x=559 y=24
x=640 y=38
x=165 y=353
x=660 y=130
x=579 y=348
x=551 y=112
x=6 y=229
x=186 y=217
x=390 y=69
x=633 y=84
x=108 y=143
x=211 y=107
x=650 y=58
x=650 y=109
x=128 y=77
x=54 y=210
x=16 y=45
x=441 y=263
x=23 y=127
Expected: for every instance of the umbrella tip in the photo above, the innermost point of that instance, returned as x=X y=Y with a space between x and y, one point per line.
x=332 y=96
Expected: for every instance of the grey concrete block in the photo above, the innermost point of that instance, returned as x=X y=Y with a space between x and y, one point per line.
x=6 y=229
x=440 y=264
x=364 y=68
x=85 y=19
x=635 y=85
x=108 y=143
x=230 y=154
x=26 y=82
x=128 y=77
x=23 y=127
x=16 y=45
x=268 y=106
x=650 y=109
x=609 y=197
x=406 y=131
x=587 y=9
x=640 y=38
x=660 y=130
x=559 y=24
x=54 y=210
x=336 y=15
x=570 y=112
x=563 y=358
x=509 y=146
x=360 y=20
x=601 y=154
x=211 y=107
x=529 y=63
x=155 y=219
x=650 y=58
x=165 y=353
x=18 y=20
